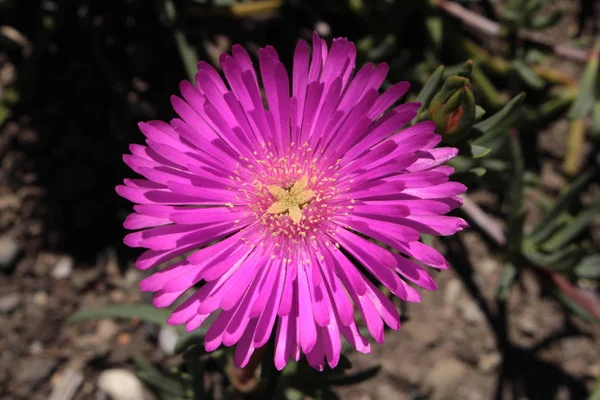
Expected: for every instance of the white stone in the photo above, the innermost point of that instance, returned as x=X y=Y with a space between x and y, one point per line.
x=121 y=384
x=8 y=250
x=323 y=28
x=63 y=268
x=167 y=339
x=471 y=312
x=489 y=362
x=444 y=380
x=452 y=292
x=9 y=302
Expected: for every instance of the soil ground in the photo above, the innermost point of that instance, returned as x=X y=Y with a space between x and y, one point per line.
x=446 y=348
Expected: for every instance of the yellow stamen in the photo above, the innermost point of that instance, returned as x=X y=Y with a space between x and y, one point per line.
x=295 y=213
x=291 y=200
x=305 y=196
x=278 y=207
x=299 y=186
x=277 y=192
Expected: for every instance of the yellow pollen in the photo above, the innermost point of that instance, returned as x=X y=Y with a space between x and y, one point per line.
x=290 y=200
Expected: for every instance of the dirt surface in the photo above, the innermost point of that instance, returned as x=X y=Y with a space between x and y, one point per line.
x=447 y=348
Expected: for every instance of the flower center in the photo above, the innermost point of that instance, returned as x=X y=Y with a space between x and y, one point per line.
x=291 y=200
x=292 y=197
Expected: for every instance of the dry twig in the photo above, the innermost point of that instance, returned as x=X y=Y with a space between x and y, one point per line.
x=590 y=303
x=494 y=30
x=66 y=388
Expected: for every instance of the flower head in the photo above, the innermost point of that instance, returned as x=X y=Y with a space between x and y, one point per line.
x=269 y=210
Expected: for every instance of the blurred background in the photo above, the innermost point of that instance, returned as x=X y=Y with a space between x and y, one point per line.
x=517 y=316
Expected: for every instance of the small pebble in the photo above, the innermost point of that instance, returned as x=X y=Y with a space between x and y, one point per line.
x=9 y=302
x=36 y=347
x=452 y=292
x=323 y=28
x=489 y=362
x=444 y=380
x=63 y=268
x=131 y=278
x=40 y=298
x=526 y=325
x=9 y=248
x=167 y=339
x=471 y=312
x=120 y=384
x=31 y=371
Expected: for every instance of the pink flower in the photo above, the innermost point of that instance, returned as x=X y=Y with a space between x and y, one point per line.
x=268 y=208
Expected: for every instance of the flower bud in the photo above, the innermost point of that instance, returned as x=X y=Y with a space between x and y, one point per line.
x=453 y=109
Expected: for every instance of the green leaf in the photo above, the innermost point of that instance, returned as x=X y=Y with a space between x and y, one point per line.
x=196 y=369
x=531 y=179
x=187 y=52
x=595 y=395
x=196 y=337
x=540 y=199
x=144 y=312
x=461 y=163
x=4 y=114
x=495 y=165
x=479 y=113
x=251 y=8
x=155 y=379
x=589 y=267
x=512 y=16
x=573 y=229
x=294 y=394
x=327 y=394
x=499 y=123
x=479 y=151
x=516 y=214
x=514 y=235
x=466 y=69
x=547 y=21
x=344 y=363
x=527 y=75
x=434 y=28
x=478 y=171
x=595 y=131
x=535 y=56
x=509 y=273
x=469 y=177
x=551 y=228
x=571 y=258
x=223 y=3
x=383 y=49
x=559 y=260
x=453 y=109
x=269 y=375
x=8 y=98
x=290 y=369
x=573 y=307
x=426 y=239
x=489 y=95
x=194 y=351
x=585 y=98
x=564 y=198
x=351 y=379
x=430 y=88
x=463 y=69
x=550 y=109
x=501 y=116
